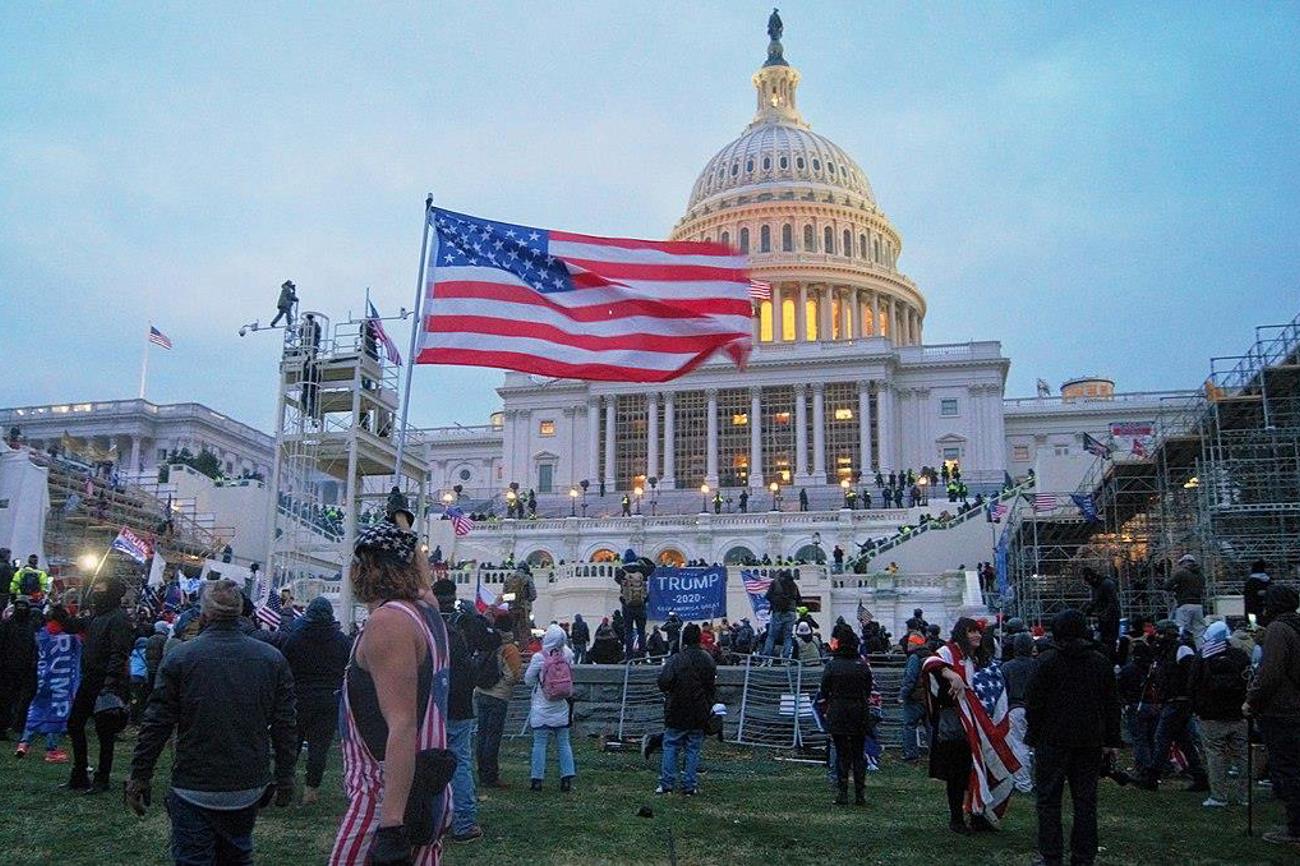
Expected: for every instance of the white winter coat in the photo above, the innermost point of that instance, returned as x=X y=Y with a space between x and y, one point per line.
x=543 y=712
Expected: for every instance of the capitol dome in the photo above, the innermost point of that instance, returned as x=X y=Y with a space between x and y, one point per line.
x=805 y=213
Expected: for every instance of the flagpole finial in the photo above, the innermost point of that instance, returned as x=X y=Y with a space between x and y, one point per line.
x=428 y=202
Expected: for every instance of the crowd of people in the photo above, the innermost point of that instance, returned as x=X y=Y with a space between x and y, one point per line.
x=422 y=691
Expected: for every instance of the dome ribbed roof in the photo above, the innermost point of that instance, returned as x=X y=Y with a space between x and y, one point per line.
x=785 y=155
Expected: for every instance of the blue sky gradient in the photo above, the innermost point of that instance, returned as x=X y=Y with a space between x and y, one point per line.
x=1106 y=188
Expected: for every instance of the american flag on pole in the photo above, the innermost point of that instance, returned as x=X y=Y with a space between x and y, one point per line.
x=999 y=510
x=1093 y=445
x=984 y=711
x=760 y=290
x=756 y=588
x=269 y=613
x=577 y=306
x=132 y=545
x=158 y=338
x=1044 y=501
x=460 y=523
x=390 y=348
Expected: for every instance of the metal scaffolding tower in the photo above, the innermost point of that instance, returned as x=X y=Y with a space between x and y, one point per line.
x=336 y=428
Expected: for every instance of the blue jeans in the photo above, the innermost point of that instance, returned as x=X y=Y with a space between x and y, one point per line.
x=780 y=628
x=51 y=740
x=209 y=837
x=913 y=722
x=491 y=714
x=690 y=741
x=1175 y=726
x=460 y=741
x=542 y=742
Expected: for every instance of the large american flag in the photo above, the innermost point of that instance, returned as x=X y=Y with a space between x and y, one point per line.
x=983 y=709
x=270 y=613
x=576 y=306
x=756 y=588
x=461 y=524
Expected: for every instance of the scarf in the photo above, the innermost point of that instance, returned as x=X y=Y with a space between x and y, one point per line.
x=1216 y=640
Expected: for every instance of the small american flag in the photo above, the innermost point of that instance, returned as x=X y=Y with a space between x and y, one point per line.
x=577 y=306
x=1044 y=501
x=158 y=338
x=460 y=523
x=390 y=348
x=999 y=510
x=1093 y=445
x=760 y=290
x=269 y=613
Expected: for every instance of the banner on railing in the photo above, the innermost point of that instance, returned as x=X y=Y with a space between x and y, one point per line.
x=691 y=593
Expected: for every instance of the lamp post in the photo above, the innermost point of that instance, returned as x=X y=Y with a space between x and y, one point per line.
x=654 y=495
x=922 y=485
x=776 y=490
x=573 y=502
x=448 y=499
x=844 y=486
x=510 y=503
x=637 y=491
x=704 y=505
x=584 y=484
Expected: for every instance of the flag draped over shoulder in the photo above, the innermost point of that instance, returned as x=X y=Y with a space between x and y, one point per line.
x=983 y=709
x=577 y=306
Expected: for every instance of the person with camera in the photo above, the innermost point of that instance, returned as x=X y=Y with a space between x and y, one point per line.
x=230 y=700
x=1072 y=723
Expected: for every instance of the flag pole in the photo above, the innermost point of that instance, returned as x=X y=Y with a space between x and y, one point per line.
x=415 y=331
x=144 y=362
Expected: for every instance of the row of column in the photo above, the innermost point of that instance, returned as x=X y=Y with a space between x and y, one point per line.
x=904 y=320
x=878 y=430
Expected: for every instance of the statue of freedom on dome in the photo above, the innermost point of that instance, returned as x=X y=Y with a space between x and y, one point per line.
x=775 y=28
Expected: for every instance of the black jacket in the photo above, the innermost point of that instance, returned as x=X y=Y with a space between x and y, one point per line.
x=230 y=699
x=317 y=653
x=1071 y=700
x=580 y=632
x=846 y=686
x=1016 y=674
x=687 y=681
x=783 y=594
x=1187 y=583
x=460 y=642
x=18 y=648
x=105 y=650
x=1104 y=604
x=1218 y=684
x=1253 y=592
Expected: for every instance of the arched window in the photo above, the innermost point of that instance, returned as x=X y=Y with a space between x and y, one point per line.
x=828 y=240
x=671 y=558
x=749 y=165
x=744 y=240
x=767 y=163
x=735 y=169
x=726 y=239
x=810 y=553
x=785 y=162
x=799 y=162
x=817 y=165
x=862 y=246
x=540 y=559
x=604 y=555
x=739 y=555
x=810 y=318
x=875 y=249
x=787 y=238
x=808 y=243
x=788 y=306
x=765 y=239
x=765 y=321
x=847 y=248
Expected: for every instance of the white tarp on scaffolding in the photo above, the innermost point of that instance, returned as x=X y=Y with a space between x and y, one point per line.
x=24 y=502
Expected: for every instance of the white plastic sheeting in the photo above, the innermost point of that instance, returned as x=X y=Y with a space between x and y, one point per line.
x=24 y=503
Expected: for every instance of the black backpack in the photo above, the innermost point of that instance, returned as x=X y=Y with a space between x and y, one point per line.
x=487 y=669
x=31 y=582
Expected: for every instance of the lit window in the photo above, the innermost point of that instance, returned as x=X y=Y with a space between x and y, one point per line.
x=546 y=428
x=740 y=419
x=810 y=318
x=788 y=319
x=948 y=407
x=844 y=414
x=765 y=321
x=781 y=417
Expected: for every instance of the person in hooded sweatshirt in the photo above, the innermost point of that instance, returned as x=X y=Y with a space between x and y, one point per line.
x=846 y=686
x=1016 y=674
x=580 y=637
x=105 y=685
x=1217 y=684
x=1273 y=699
x=17 y=667
x=1072 y=723
x=549 y=717
x=1255 y=588
x=317 y=652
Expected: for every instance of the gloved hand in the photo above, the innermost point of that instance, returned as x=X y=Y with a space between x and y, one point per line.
x=390 y=848
x=283 y=793
x=137 y=796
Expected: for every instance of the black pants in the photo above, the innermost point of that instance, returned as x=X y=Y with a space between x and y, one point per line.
x=83 y=708
x=850 y=757
x=16 y=691
x=956 y=791
x=1282 y=737
x=1109 y=638
x=317 y=721
x=491 y=713
x=1054 y=766
x=633 y=629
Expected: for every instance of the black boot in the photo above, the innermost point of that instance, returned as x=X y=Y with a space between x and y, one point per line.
x=566 y=784
x=958 y=826
x=842 y=795
x=859 y=796
x=536 y=785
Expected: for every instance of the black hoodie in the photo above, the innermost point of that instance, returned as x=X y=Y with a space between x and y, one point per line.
x=1071 y=700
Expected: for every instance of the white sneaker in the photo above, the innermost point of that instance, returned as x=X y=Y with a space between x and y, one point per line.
x=1211 y=803
x=662 y=790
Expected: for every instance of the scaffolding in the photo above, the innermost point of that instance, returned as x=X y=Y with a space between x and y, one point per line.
x=1220 y=480
x=336 y=429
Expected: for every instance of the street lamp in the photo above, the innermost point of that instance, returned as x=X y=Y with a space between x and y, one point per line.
x=584 y=484
x=510 y=503
x=922 y=485
x=637 y=491
x=704 y=506
x=775 y=488
x=448 y=498
x=573 y=502
x=844 y=485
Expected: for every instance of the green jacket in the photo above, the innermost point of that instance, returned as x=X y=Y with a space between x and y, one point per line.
x=45 y=581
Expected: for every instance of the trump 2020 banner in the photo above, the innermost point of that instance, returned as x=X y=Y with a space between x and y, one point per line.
x=58 y=673
x=691 y=593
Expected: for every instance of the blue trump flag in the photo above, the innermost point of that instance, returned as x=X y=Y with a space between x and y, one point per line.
x=692 y=593
x=1000 y=562
x=58 y=673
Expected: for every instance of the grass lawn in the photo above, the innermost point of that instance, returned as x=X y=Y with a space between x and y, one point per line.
x=751 y=809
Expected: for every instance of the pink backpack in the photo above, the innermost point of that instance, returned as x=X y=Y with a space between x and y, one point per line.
x=557 y=676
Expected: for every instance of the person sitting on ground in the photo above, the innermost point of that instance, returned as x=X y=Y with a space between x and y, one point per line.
x=687 y=681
